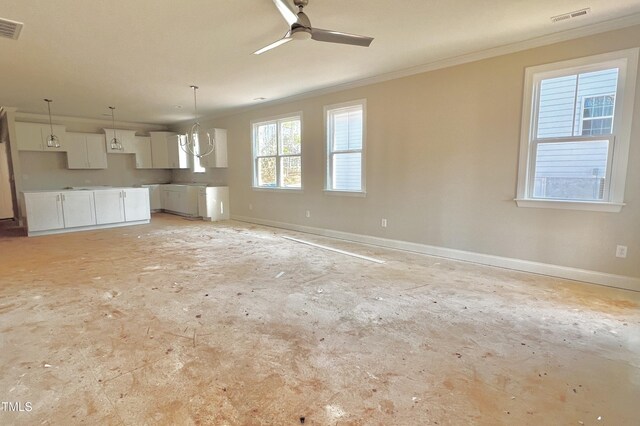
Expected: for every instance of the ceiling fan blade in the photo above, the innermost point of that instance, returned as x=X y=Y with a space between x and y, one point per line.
x=273 y=45
x=285 y=10
x=338 y=37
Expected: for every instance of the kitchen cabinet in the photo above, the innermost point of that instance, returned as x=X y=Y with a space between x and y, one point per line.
x=78 y=208
x=218 y=158
x=126 y=137
x=166 y=152
x=109 y=206
x=86 y=151
x=33 y=137
x=50 y=212
x=58 y=210
x=180 y=199
x=155 y=197
x=136 y=204
x=142 y=148
x=44 y=211
x=213 y=203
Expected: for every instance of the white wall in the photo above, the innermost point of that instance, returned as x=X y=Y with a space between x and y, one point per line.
x=441 y=162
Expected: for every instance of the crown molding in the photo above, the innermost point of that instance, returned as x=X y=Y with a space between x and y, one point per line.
x=27 y=116
x=560 y=36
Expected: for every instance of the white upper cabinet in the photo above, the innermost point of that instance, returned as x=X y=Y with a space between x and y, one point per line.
x=126 y=137
x=142 y=149
x=166 y=152
x=159 y=151
x=218 y=158
x=96 y=152
x=86 y=151
x=33 y=137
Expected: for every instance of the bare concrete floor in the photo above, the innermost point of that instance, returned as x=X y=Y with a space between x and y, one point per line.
x=182 y=322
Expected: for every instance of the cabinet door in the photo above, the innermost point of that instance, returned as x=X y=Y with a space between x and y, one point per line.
x=29 y=136
x=44 y=211
x=143 y=152
x=219 y=156
x=77 y=151
x=109 y=206
x=78 y=208
x=136 y=204
x=96 y=152
x=159 y=150
x=178 y=158
x=126 y=137
x=217 y=202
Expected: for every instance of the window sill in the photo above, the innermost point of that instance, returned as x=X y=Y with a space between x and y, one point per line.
x=345 y=193
x=571 y=205
x=277 y=189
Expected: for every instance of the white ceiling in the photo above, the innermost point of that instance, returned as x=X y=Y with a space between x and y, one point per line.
x=141 y=56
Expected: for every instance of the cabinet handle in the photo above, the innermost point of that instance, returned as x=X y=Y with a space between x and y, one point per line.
x=58 y=197
x=62 y=197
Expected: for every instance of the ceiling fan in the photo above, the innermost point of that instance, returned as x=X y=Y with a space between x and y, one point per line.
x=301 y=29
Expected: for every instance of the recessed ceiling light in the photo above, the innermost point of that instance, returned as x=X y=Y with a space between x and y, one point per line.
x=260 y=99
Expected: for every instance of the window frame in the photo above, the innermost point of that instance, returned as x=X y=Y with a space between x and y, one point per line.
x=255 y=157
x=619 y=140
x=328 y=129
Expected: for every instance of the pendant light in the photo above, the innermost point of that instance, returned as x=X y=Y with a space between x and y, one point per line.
x=52 y=139
x=115 y=143
x=191 y=142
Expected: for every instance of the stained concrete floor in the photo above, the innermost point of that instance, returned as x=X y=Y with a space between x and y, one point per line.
x=183 y=322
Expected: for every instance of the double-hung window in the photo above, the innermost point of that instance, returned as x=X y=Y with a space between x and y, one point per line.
x=576 y=128
x=345 y=127
x=277 y=149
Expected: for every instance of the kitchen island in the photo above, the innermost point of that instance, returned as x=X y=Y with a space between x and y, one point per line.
x=85 y=208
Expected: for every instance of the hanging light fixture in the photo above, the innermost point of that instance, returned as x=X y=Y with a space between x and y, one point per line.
x=52 y=139
x=190 y=142
x=115 y=143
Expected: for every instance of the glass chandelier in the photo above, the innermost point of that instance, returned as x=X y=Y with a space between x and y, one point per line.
x=52 y=139
x=191 y=142
x=115 y=143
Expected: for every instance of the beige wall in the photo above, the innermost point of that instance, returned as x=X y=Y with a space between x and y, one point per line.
x=442 y=158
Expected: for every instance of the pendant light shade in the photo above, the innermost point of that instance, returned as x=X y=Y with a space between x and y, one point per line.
x=115 y=142
x=52 y=139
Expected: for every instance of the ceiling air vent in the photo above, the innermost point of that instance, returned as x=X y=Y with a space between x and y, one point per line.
x=571 y=15
x=10 y=29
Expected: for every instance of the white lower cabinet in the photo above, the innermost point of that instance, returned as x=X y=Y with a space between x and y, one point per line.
x=213 y=203
x=78 y=208
x=181 y=199
x=50 y=212
x=136 y=204
x=44 y=211
x=109 y=206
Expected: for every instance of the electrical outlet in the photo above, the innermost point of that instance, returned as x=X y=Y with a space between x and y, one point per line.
x=250 y=206
x=308 y=213
x=621 y=251
x=383 y=223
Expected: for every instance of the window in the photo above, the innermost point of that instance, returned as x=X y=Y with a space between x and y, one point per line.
x=345 y=146
x=576 y=128
x=197 y=166
x=277 y=161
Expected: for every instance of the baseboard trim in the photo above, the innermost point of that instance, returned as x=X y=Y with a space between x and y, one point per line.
x=575 y=274
x=87 y=228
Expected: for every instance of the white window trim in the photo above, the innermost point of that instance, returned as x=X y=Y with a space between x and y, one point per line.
x=627 y=60
x=328 y=172
x=254 y=180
